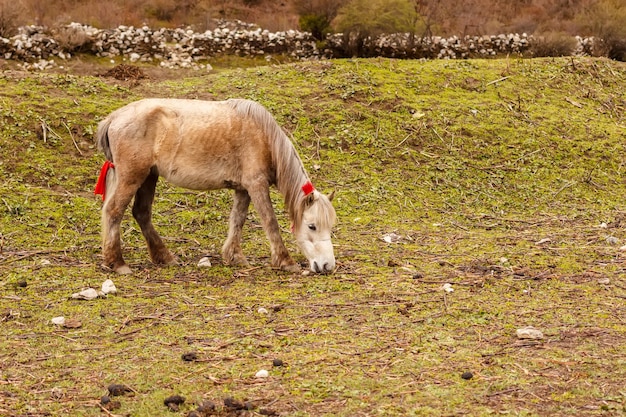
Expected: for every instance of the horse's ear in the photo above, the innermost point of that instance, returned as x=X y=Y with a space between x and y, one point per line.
x=309 y=199
x=331 y=196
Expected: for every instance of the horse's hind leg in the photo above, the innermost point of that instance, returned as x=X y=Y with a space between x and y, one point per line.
x=231 y=251
x=142 y=212
x=112 y=212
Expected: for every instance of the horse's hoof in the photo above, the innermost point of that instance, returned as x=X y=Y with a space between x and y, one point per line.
x=123 y=270
x=290 y=268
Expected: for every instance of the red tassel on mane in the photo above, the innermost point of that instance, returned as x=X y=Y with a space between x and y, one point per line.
x=307 y=188
x=102 y=179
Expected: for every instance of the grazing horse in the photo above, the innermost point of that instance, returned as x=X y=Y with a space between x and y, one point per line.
x=207 y=145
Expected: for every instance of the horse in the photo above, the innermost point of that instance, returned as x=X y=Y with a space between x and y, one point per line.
x=206 y=145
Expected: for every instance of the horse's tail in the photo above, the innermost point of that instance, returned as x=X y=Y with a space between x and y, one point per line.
x=102 y=138
x=106 y=181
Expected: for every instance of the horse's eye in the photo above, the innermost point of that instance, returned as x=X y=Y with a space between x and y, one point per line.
x=312 y=227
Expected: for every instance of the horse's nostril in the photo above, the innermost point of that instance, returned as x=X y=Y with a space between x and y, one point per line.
x=316 y=267
x=327 y=267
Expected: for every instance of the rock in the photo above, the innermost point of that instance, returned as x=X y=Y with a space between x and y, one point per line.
x=604 y=281
x=262 y=374
x=59 y=321
x=447 y=288
x=87 y=294
x=529 y=332
x=108 y=287
x=204 y=262
x=262 y=310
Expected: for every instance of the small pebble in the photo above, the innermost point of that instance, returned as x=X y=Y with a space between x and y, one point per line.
x=22 y=283
x=262 y=310
x=447 y=287
x=87 y=294
x=529 y=332
x=59 y=321
x=604 y=281
x=467 y=375
x=205 y=262
x=262 y=374
x=277 y=362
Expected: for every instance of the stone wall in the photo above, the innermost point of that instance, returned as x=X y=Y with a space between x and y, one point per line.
x=39 y=48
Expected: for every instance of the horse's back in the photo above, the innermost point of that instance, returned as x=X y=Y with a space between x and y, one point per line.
x=193 y=143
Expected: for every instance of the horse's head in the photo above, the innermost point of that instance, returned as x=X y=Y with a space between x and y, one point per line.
x=312 y=229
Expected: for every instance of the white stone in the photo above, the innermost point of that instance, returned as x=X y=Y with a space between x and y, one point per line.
x=529 y=332
x=262 y=374
x=87 y=294
x=108 y=287
x=204 y=262
x=59 y=321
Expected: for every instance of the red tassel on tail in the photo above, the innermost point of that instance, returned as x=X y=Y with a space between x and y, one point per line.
x=101 y=185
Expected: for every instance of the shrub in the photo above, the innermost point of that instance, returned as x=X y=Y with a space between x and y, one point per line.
x=552 y=44
x=10 y=13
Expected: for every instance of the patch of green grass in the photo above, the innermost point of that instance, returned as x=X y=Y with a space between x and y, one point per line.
x=503 y=178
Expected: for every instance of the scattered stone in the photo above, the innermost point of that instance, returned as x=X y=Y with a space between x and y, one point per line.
x=190 y=357
x=623 y=248
x=204 y=262
x=604 y=281
x=108 y=287
x=263 y=373
x=467 y=375
x=45 y=262
x=543 y=241
x=447 y=287
x=612 y=240
x=87 y=294
x=59 y=321
x=391 y=237
x=262 y=310
x=277 y=362
x=22 y=283
x=116 y=390
x=173 y=402
x=529 y=332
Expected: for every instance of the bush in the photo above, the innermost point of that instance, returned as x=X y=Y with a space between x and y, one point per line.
x=606 y=23
x=553 y=44
x=318 y=25
x=10 y=14
x=363 y=19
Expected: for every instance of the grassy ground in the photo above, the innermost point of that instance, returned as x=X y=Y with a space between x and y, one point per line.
x=504 y=178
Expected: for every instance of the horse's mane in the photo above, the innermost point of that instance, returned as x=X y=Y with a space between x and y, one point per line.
x=290 y=172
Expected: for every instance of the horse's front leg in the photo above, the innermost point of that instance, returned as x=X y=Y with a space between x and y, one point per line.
x=263 y=204
x=231 y=251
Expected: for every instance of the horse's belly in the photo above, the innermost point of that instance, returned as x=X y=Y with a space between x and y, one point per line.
x=199 y=179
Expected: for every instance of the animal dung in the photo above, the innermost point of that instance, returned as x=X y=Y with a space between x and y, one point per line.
x=529 y=332
x=189 y=357
x=116 y=390
x=173 y=402
x=467 y=375
x=277 y=362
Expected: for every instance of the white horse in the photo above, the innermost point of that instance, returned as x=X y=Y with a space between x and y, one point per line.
x=207 y=145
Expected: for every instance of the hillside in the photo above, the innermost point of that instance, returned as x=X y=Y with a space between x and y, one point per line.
x=503 y=178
